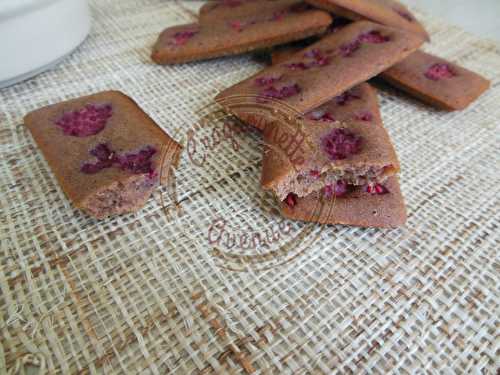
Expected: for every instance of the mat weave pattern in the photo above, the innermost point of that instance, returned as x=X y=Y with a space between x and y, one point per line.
x=163 y=291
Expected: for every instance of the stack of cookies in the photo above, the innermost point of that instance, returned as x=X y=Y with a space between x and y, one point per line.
x=327 y=156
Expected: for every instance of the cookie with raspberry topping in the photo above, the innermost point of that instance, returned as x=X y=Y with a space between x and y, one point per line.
x=436 y=81
x=328 y=145
x=386 y=12
x=106 y=153
x=325 y=69
x=238 y=34
x=426 y=77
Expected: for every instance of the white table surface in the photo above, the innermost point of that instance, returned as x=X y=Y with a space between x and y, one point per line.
x=480 y=17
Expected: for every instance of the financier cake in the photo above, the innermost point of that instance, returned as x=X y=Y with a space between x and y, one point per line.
x=331 y=66
x=334 y=147
x=106 y=153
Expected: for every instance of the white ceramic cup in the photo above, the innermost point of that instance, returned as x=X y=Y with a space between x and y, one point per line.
x=36 y=34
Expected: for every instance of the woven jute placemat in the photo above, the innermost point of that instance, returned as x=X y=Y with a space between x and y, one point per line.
x=208 y=278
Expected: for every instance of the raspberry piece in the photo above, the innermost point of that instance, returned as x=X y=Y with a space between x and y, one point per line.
x=278 y=16
x=341 y=143
x=180 y=38
x=92 y=168
x=373 y=37
x=321 y=61
x=105 y=159
x=319 y=57
x=282 y=93
x=297 y=66
x=347 y=49
x=376 y=189
x=270 y=92
x=236 y=25
x=314 y=173
x=291 y=200
x=287 y=91
x=364 y=116
x=313 y=53
x=345 y=98
x=318 y=60
x=85 y=122
x=265 y=81
x=338 y=189
x=102 y=152
x=341 y=188
x=136 y=163
x=320 y=115
x=439 y=71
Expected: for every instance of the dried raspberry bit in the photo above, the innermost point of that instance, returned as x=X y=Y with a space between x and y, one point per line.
x=102 y=152
x=137 y=163
x=321 y=115
x=291 y=200
x=281 y=93
x=320 y=59
x=278 y=16
x=287 y=91
x=347 y=49
x=240 y=25
x=180 y=38
x=270 y=92
x=345 y=98
x=373 y=37
x=314 y=173
x=338 y=189
x=340 y=143
x=313 y=53
x=303 y=66
x=265 y=81
x=375 y=189
x=364 y=116
x=297 y=66
x=236 y=25
x=105 y=159
x=85 y=122
x=92 y=168
x=439 y=71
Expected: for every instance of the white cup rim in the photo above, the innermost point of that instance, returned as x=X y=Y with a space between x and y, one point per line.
x=13 y=8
